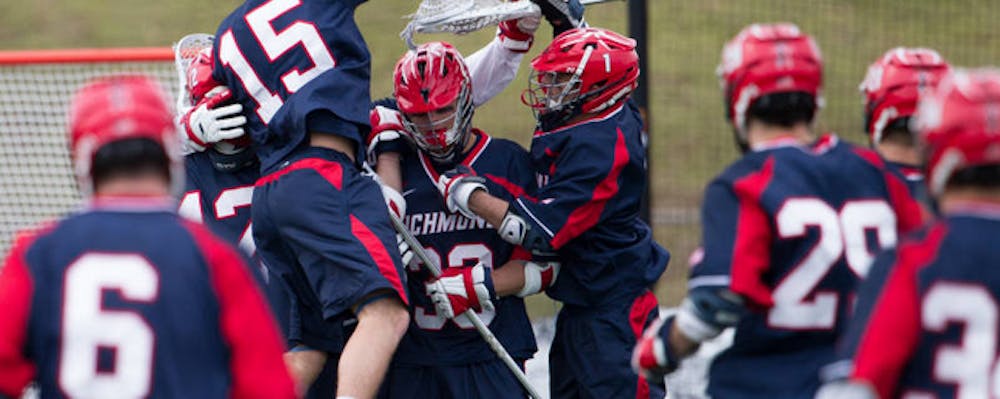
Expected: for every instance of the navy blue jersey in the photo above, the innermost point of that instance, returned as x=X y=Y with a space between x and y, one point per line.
x=296 y=67
x=457 y=241
x=914 y=177
x=591 y=178
x=219 y=200
x=928 y=313
x=791 y=228
x=127 y=299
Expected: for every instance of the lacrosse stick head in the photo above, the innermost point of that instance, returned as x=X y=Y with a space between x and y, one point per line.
x=463 y=16
x=186 y=51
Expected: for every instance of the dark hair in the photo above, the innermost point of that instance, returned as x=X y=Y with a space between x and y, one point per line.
x=783 y=109
x=898 y=132
x=983 y=176
x=130 y=158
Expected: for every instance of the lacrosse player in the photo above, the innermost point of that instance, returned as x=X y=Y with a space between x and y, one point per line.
x=589 y=163
x=891 y=89
x=930 y=306
x=124 y=298
x=788 y=229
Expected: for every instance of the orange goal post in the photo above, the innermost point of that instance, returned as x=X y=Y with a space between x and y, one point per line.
x=36 y=180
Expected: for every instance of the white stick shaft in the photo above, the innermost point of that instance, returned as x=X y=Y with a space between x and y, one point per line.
x=484 y=331
x=589 y=2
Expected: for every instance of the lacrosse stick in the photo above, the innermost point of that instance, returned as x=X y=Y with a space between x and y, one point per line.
x=464 y=16
x=185 y=51
x=488 y=336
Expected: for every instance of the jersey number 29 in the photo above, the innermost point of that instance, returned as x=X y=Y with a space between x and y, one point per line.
x=841 y=234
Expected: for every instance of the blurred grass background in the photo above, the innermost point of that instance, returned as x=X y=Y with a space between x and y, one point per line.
x=690 y=140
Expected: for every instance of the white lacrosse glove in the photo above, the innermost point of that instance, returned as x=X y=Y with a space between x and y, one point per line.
x=405 y=253
x=845 y=389
x=394 y=201
x=517 y=35
x=388 y=133
x=460 y=289
x=209 y=121
x=457 y=186
x=538 y=276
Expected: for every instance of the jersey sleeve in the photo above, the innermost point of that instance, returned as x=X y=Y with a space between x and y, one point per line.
x=491 y=68
x=16 y=287
x=736 y=237
x=585 y=176
x=256 y=364
x=890 y=332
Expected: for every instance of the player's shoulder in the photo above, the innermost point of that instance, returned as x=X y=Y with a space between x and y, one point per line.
x=498 y=144
x=26 y=238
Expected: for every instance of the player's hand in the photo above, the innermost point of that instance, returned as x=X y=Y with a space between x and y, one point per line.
x=517 y=35
x=387 y=135
x=209 y=121
x=563 y=15
x=457 y=186
x=460 y=289
x=394 y=201
x=652 y=357
x=538 y=276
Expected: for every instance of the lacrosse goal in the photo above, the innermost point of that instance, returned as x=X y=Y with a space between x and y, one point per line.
x=36 y=180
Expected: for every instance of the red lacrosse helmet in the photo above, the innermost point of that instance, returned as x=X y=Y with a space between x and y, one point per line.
x=583 y=70
x=765 y=59
x=426 y=80
x=199 y=76
x=894 y=83
x=115 y=108
x=959 y=121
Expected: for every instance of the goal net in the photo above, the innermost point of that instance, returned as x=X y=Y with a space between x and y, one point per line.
x=36 y=179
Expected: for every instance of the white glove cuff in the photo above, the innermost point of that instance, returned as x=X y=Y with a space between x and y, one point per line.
x=394 y=201
x=462 y=192
x=692 y=327
x=534 y=282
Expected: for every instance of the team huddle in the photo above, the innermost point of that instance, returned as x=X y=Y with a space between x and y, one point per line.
x=311 y=242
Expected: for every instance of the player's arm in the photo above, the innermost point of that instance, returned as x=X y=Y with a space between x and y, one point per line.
x=494 y=66
x=522 y=276
x=16 y=286
x=886 y=338
x=836 y=375
x=725 y=281
x=256 y=364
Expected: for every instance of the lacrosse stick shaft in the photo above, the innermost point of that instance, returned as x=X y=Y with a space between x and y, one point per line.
x=589 y=2
x=484 y=331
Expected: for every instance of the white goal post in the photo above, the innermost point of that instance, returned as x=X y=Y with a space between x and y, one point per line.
x=36 y=180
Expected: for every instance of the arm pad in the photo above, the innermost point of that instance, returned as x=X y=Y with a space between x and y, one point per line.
x=516 y=230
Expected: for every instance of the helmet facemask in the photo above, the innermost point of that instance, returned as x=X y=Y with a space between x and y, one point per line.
x=442 y=133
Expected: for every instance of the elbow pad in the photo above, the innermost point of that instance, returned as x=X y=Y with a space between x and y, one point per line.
x=515 y=230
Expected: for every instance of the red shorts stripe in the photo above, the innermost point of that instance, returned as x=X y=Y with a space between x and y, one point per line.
x=385 y=263
x=638 y=316
x=331 y=171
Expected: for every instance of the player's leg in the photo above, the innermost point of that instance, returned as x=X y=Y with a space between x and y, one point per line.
x=366 y=356
x=595 y=347
x=382 y=315
x=411 y=382
x=310 y=339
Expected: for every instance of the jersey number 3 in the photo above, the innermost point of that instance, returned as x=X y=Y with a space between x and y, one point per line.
x=275 y=45
x=840 y=234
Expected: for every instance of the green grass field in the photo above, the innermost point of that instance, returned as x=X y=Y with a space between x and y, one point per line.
x=690 y=140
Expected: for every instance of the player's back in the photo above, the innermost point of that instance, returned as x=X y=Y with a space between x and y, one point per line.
x=295 y=68
x=219 y=199
x=954 y=309
x=804 y=223
x=123 y=305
